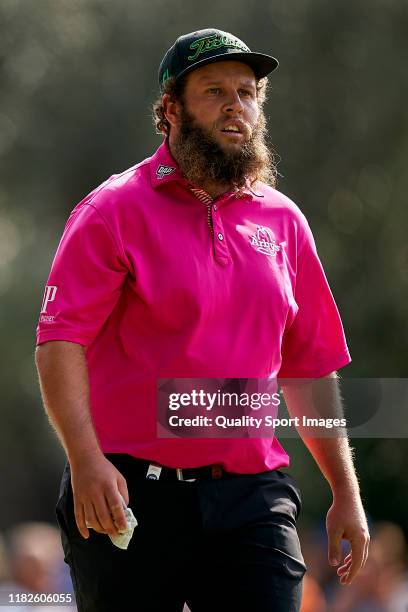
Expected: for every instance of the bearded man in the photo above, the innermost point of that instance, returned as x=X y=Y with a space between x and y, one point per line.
x=191 y=265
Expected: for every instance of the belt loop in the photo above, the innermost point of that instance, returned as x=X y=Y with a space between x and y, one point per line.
x=216 y=471
x=179 y=473
x=153 y=472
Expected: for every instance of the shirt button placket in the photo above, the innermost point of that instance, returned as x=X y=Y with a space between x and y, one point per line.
x=220 y=245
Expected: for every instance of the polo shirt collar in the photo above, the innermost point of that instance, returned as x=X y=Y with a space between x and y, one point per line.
x=164 y=168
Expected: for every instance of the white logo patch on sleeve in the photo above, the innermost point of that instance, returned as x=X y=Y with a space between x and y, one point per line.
x=49 y=296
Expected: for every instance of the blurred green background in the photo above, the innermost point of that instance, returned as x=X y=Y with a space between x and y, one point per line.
x=77 y=79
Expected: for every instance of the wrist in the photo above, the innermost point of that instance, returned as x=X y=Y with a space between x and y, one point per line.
x=84 y=454
x=345 y=490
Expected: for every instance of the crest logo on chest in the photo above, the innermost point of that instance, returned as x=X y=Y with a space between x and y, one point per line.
x=264 y=242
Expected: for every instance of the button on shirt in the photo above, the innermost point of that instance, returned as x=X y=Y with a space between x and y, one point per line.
x=158 y=282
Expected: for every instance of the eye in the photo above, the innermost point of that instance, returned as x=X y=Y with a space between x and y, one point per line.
x=213 y=90
x=246 y=92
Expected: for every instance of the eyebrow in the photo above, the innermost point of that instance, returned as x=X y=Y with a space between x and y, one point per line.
x=207 y=81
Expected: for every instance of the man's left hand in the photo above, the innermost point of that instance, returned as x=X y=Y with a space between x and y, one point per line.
x=346 y=520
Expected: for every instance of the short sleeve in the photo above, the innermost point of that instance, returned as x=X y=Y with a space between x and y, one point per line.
x=314 y=345
x=85 y=281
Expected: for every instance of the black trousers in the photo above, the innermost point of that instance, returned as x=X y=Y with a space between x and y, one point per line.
x=225 y=545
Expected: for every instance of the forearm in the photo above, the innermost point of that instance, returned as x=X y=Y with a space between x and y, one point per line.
x=346 y=518
x=64 y=383
x=335 y=460
x=332 y=454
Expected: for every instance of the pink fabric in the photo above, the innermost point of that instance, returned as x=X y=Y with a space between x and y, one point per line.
x=140 y=281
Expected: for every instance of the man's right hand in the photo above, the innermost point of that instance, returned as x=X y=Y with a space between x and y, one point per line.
x=96 y=483
x=97 y=487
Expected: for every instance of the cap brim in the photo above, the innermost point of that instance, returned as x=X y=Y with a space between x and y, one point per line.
x=260 y=63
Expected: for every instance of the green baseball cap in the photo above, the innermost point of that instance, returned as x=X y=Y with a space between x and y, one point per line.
x=196 y=49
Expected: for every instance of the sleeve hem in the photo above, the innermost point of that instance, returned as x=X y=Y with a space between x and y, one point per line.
x=49 y=335
x=321 y=369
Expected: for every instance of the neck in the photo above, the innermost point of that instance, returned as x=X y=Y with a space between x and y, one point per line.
x=215 y=189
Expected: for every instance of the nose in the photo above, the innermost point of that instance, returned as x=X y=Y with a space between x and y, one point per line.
x=233 y=104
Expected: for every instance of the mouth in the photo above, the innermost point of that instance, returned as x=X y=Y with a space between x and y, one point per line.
x=233 y=129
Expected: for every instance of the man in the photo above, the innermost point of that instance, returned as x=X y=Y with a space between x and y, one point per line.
x=189 y=265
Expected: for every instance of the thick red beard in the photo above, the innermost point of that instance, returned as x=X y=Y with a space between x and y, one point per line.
x=202 y=159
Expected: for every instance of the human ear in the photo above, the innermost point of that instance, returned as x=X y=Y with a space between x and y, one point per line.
x=171 y=110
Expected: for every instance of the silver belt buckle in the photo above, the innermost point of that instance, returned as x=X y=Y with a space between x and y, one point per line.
x=179 y=473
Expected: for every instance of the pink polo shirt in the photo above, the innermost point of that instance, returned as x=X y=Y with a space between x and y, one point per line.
x=158 y=284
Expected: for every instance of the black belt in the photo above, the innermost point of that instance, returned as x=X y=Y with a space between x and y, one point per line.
x=205 y=472
x=155 y=471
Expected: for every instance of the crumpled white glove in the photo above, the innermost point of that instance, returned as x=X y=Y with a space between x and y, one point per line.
x=122 y=540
